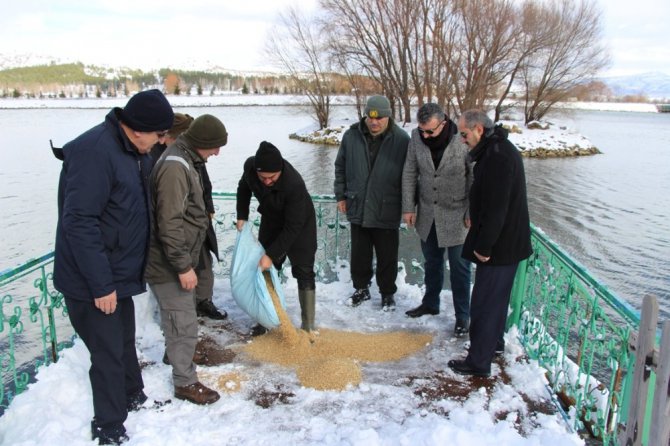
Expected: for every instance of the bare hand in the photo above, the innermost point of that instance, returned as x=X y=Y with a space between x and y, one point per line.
x=481 y=258
x=467 y=223
x=409 y=218
x=265 y=263
x=342 y=206
x=106 y=304
x=240 y=224
x=188 y=280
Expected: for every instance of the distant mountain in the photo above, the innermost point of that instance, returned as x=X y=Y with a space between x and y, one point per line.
x=9 y=61
x=654 y=85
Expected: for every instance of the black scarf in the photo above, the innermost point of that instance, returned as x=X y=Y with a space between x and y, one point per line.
x=439 y=143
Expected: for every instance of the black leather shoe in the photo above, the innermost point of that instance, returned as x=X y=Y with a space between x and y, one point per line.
x=207 y=309
x=258 y=330
x=461 y=367
x=421 y=311
x=135 y=401
x=114 y=435
x=388 y=302
x=359 y=296
x=461 y=328
x=500 y=348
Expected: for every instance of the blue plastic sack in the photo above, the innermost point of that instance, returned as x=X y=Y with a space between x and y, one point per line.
x=248 y=283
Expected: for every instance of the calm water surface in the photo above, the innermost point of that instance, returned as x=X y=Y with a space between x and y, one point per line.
x=611 y=212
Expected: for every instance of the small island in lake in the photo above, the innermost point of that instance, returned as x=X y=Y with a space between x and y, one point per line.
x=535 y=140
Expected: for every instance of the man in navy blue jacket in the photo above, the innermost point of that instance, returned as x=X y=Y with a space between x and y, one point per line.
x=101 y=245
x=498 y=238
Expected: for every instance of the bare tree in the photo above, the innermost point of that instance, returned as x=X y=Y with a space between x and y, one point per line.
x=573 y=54
x=299 y=48
x=375 y=35
x=531 y=36
x=480 y=60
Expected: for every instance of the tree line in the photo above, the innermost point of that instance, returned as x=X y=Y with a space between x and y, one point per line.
x=461 y=54
x=76 y=80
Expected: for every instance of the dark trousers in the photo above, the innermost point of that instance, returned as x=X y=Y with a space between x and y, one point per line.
x=385 y=244
x=204 y=290
x=301 y=254
x=488 y=313
x=115 y=372
x=459 y=276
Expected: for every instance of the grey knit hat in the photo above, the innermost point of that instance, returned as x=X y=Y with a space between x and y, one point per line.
x=378 y=107
x=206 y=132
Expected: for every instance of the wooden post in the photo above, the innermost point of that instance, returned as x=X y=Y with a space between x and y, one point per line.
x=660 y=427
x=644 y=354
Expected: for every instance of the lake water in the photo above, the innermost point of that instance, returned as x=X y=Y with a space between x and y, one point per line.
x=611 y=212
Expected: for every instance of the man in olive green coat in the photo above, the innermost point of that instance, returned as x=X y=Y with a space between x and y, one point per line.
x=368 y=173
x=176 y=248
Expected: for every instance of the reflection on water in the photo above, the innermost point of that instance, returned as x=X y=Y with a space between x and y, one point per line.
x=610 y=211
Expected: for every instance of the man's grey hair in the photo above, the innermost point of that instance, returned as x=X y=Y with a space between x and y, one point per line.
x=428 y=111
x=476 y=116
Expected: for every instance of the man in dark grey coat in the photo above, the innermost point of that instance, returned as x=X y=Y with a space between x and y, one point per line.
x=498 y=239
x=368 y=173
x=435 y=185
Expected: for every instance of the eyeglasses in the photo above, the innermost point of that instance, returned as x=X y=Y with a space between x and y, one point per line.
x=162 y=134
x=464 y=135
x=431 y=131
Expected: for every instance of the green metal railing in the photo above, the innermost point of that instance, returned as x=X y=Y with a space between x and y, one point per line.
x=579 y=332
x=570 y=323
x=32 y=316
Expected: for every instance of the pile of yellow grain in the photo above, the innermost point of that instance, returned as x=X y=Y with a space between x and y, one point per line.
x=329 y=361
x=228 y=382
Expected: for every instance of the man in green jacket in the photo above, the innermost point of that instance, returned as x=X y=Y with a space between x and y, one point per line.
x=176 y=248
x=368 y=174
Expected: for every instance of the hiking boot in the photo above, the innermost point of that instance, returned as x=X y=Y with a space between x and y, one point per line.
x=258 y=330
x=388 y=303
x=135 y=401
x=206 y=308
x=461 y=328
x=199 y=358
x=359 y=296
x=196 y=393
x=421 y=310
x=108 y=435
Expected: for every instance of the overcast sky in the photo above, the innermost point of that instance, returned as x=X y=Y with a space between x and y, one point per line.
x=231 y=33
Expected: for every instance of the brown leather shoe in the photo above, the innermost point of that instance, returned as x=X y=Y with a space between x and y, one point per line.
x=196 y=393
x=199 y=358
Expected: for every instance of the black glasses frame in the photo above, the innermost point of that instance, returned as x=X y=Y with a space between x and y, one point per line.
x=430 y=132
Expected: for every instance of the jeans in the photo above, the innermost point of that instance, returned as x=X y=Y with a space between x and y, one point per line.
x=459 y=276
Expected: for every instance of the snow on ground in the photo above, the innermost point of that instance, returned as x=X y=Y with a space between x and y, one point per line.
x=414 y=401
